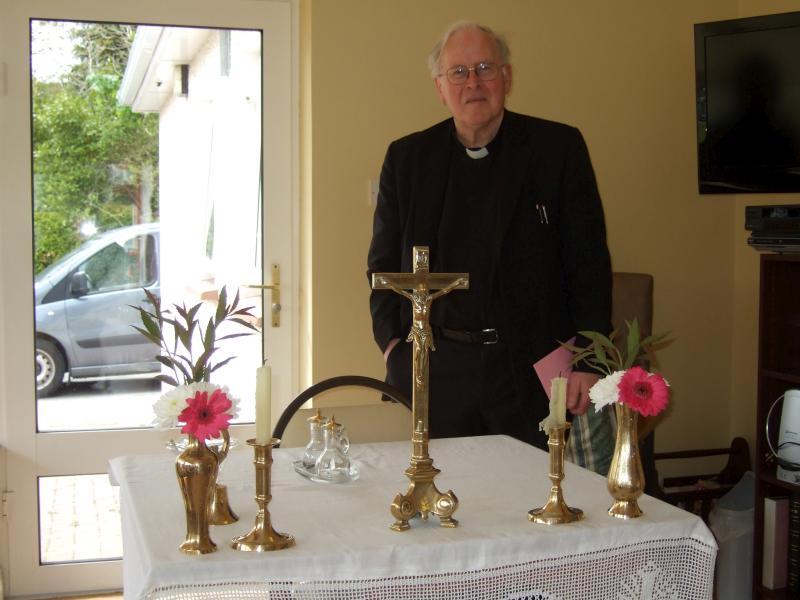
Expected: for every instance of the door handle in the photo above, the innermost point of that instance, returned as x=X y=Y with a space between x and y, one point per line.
x=275 y=295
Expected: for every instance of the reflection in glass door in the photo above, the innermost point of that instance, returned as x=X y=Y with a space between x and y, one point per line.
x=146 y=163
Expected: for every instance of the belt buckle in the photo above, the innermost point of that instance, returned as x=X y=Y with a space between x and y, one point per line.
x=496 y=336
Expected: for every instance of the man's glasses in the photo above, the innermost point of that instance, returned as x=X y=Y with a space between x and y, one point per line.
x=459 y=74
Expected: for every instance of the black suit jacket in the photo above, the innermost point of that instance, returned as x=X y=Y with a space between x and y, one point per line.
x=554 y=271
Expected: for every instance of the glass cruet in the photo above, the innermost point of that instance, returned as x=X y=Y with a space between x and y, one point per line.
x=316 y=442
x=332 y=464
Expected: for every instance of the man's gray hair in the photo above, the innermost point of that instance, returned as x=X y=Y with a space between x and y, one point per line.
x=436 y=53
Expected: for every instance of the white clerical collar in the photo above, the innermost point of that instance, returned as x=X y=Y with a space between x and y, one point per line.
x=477 y=152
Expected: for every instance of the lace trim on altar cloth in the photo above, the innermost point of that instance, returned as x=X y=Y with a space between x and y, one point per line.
x=676 y=569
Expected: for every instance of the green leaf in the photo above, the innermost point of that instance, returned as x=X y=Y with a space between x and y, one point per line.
x=183 y=335
x=600 y=353
x=183 y=359
x=604 y=368
x=152 y=327
x=167 y=361
x=147 y=334
x=223 y=363
x=230 y=336
x=658 y=340
x=203 y=358
x=572 y=348
x=244 y=323
x=633 y=343
x=184 y=366
x=152 y=298
x=580 y=356
x=598 y=337
x=211 y=332
x=221 y=306
x=201 y=371
x=148 y=320
x=183 y=312
x=166 y=379
x=192 y=314
x=198 y=372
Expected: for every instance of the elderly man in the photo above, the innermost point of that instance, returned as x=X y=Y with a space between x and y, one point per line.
x=512 y=200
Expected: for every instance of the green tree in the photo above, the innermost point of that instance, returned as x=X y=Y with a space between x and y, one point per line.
x=90 y=155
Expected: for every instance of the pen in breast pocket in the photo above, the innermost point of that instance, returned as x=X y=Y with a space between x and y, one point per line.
x=542 y=209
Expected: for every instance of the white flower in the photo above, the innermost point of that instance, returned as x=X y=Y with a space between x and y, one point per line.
x=172 y=403
x=233 y=411
x=606 y=390
x=169 y=406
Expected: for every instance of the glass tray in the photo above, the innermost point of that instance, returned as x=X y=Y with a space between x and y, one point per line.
x=309 y=474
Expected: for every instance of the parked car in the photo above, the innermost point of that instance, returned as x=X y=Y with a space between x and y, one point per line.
x=83 y=308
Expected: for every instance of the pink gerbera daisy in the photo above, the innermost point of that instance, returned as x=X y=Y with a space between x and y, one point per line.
x=646 y=393
x=206 y=414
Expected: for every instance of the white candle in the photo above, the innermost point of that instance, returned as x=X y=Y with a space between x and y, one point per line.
x=263 y=404
x=558 y=401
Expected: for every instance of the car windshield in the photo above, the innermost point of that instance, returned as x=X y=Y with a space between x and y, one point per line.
x=52 y=266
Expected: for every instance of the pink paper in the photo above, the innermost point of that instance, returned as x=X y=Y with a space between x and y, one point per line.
x=555 y=364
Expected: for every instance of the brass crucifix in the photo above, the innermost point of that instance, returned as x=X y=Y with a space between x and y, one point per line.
x=422 y=496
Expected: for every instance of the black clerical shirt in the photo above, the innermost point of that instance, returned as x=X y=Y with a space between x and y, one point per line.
x=466 y=240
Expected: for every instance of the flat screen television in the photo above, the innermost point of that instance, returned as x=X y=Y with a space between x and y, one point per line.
x=748 y=104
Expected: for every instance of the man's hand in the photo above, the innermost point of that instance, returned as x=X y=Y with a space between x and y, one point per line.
x=389 y=348
x=578 y=386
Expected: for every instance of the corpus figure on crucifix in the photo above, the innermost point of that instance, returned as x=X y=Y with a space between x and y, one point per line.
x=421 y=333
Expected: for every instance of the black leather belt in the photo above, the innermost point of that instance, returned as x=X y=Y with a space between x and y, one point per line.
x=484 y=336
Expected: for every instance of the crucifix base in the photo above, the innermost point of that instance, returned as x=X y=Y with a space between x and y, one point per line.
x=422 y=498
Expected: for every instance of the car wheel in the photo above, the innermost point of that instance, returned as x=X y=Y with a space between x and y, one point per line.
x=49 y=368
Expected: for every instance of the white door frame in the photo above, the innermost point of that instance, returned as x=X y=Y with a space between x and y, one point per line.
x=29 y=454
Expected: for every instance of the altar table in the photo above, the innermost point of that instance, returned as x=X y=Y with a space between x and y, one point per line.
x=345 y=549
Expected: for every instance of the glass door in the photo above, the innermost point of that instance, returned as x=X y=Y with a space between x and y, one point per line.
x=145 y=171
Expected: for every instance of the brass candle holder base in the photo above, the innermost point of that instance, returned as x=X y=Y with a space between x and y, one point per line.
x=556 y=511
x=422 y=497
x=262 y=537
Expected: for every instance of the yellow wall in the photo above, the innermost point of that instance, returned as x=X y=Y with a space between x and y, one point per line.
x=623 y=72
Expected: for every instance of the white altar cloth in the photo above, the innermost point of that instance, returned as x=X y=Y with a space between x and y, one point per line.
x=345 y=549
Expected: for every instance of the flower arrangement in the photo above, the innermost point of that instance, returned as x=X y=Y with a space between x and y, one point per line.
x=204 y=408
x=625 y=381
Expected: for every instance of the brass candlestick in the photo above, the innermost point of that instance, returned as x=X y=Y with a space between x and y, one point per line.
x=422 y=496
x=262 y=536
x=555 y=510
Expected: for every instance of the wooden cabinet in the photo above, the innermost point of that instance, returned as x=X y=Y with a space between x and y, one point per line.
x=778 y=371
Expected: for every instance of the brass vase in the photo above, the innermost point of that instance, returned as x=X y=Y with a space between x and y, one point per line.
x=196 y=468
x=626 y=476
